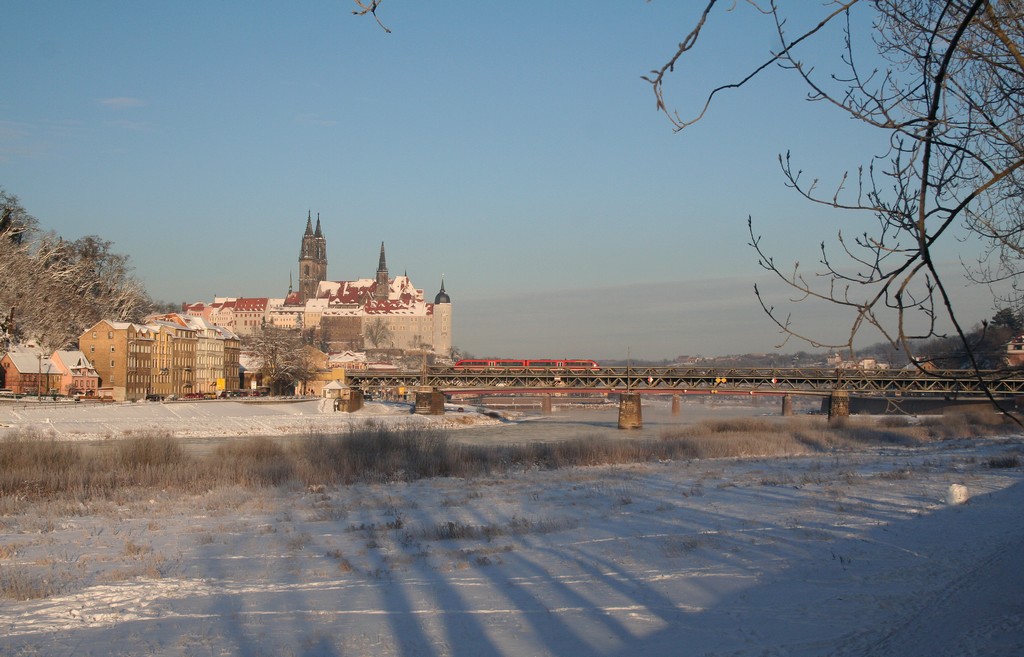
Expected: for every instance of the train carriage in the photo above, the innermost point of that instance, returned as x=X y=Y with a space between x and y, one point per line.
x=506 y=364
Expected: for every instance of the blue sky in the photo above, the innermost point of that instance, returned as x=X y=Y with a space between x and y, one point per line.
x=511 y=147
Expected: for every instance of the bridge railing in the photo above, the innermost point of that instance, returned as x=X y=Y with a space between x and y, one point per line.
x=675 y=379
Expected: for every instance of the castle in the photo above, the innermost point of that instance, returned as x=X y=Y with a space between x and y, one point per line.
x=380 y=312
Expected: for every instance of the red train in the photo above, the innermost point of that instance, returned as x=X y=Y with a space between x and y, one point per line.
x=480 y=364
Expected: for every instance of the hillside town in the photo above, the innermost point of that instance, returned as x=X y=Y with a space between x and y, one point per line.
x=306 y=340
x=214 y=349
x=378 y=312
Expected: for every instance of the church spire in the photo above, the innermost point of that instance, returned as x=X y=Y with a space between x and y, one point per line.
x=312 y=259
x=381 y=293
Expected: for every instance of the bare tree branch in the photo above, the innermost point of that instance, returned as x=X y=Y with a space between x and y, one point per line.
x=952 y=105
x=370 y=8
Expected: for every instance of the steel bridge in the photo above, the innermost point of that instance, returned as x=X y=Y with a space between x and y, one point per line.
x=949 y=384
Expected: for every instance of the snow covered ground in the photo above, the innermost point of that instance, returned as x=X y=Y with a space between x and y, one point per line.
x=848 y=554
x=204 y=419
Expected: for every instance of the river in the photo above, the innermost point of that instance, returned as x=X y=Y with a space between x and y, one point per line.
x=570 y=423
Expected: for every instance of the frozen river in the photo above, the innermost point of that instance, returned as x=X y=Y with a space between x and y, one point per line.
x=570 y=423
x=202 y=425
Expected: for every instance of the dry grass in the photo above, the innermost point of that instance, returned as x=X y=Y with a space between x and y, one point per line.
x=22 y=583
x=456 y=531
x=43 y=480
x=1005 y=461
x=784 y=437
x=34 y=469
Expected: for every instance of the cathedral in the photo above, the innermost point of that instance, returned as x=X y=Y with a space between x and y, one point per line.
x=312 y=259
x=379 y=312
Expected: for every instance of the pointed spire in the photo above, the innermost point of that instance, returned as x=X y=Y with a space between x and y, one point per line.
x=442 y=296
x=309 y=223
x=318 y=232
x=383 y=289
x=290 y=283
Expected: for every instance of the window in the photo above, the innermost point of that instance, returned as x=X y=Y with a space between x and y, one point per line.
x=111 y=348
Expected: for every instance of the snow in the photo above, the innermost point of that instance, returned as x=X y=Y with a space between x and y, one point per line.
x=206 y=419
x=830 y=554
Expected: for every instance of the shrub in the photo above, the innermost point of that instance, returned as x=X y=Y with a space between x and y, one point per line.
x=455 y=531
x=34 y=467
x=151 y=452
x=252 y=462
x=1005 y=461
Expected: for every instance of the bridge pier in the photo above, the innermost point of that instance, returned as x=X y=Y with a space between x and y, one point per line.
x=429 y=401
x=787 y=405
x=545 y=405
x=675 y=404
x=839 y=404
x=630 y=414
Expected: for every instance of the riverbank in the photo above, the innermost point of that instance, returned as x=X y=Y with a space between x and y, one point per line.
x=847 y=553
x=880 y=543
x=214 y=419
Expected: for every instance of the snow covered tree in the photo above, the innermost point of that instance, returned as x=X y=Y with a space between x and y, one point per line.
x=51 y=290
x=14 y=221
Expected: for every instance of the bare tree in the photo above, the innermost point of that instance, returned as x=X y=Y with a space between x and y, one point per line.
x=282 y=357
x=949 y=99
x=377 y=332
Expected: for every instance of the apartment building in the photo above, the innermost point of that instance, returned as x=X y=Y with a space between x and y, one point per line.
x=122 y=355
x=169 y=355
x=203 y=356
